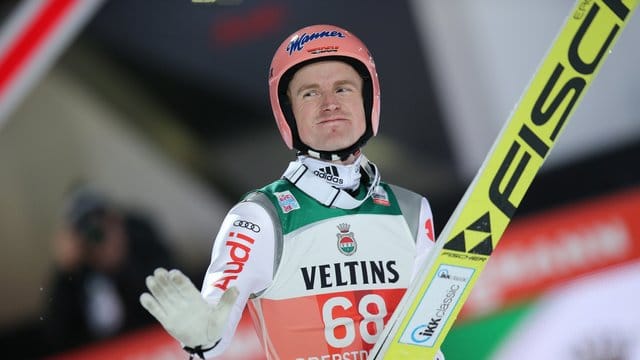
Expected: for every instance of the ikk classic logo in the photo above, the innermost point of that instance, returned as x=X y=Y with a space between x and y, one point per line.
x=346 y=241
x=437 y=304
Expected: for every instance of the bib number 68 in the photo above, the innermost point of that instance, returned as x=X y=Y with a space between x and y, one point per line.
x=341 y=331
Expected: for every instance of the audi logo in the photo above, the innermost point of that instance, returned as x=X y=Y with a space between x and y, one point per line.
x=247 y=225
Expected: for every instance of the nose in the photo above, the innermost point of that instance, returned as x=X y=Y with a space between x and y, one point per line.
x=330 y=102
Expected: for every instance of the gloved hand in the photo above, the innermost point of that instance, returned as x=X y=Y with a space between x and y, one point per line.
x=178 y=305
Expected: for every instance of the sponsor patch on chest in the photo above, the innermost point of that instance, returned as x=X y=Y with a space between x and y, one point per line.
x=380 y=196
x=287 y=201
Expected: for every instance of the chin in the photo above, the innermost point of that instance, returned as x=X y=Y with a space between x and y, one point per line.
x=335 y=147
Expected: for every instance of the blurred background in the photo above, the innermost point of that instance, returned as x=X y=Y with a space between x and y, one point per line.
x=161 y=107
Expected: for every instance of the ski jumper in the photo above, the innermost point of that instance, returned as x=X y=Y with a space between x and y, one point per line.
x=320 y=281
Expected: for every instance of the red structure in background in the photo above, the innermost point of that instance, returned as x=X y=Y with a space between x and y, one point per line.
x=155 y=343
x=545 y=251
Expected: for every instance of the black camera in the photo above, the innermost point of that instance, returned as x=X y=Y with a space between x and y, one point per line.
x=87 y=211
x=91 y=226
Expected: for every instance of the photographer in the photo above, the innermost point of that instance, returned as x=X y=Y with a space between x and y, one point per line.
x=102 y=255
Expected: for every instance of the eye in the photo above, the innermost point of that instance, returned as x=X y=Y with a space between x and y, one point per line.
x=309 y=93
x=345 y=89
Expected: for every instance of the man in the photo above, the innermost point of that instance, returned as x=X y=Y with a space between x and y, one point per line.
x=323 y=255
x=102 y=254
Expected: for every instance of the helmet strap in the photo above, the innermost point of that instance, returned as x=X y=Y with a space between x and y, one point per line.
x=337 y=155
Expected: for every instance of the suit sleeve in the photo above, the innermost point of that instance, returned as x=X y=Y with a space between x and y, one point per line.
x=243 y=257
x=425 y=236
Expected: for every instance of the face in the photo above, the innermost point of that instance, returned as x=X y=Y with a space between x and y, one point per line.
x=326 y=99
x=109 y=253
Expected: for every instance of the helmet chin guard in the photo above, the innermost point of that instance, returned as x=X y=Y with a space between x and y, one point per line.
x=320 y=43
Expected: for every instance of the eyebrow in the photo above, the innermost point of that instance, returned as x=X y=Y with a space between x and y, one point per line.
x=306 y=87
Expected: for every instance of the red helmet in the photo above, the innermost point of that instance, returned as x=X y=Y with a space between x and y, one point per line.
x=315 y=43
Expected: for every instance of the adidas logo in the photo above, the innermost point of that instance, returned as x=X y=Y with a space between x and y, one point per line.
x=330 y=174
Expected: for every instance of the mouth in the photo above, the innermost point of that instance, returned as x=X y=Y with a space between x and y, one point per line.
x=331 y=120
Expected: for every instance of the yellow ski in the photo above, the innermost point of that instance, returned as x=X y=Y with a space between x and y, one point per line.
x=432 y=303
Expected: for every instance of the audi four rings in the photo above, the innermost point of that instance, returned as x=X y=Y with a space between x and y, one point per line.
x=247 y=225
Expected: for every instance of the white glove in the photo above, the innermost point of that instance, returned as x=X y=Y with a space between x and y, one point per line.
x=178 y=305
